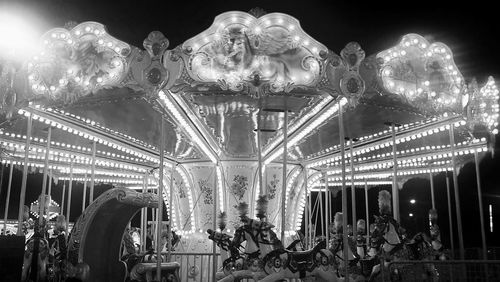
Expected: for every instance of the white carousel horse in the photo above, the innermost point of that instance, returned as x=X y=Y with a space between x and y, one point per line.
x=394 y=248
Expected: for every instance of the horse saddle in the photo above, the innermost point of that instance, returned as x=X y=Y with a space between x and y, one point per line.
x=303 y=261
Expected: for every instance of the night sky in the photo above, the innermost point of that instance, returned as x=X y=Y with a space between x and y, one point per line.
x=471 y=31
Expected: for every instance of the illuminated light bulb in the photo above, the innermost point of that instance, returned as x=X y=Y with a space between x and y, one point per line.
x=257 y=29
x=427 y=83
x=291 y=27
x=306 y=42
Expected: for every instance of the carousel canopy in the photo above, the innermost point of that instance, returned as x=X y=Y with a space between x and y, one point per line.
x=247 y=85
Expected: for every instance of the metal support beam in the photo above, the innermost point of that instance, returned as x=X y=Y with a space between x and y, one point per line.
x=283 y=190
x=481 y=211
x=353 y=190
x=367 y=215
x=44 y=181
x=450 y=219
x=431 y=179
x=7 y=200
x=92 y=173
x=395 y=190
x=344 y=191
x=160 y=202
x=24 y=179
x=70 y=186
x=457 y=194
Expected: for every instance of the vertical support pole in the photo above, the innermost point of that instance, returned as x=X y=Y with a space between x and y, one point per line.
x=7 y=200
x=450 y=219
x=262 y=187
x=395 y=190
x=306 y=209
x=310 y=230
x=70 y=186
x=50 y=183
x=457 y=196
x=44 y=181
x=214 y=224
x=63 y=197
x=92 y=173
x=353 y=190
x=320 y=198
x=170 y=217
x=344 y=191
x=25 y=178
x=160 y=201
x=285 y=154
x=84 y=191
x=143 y=215
x=431 y=179
x=367 y=215
x=327 y=209
x=480 y=200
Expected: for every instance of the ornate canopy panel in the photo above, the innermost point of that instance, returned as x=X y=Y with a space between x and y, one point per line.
x=238 y=48
x=424 y=74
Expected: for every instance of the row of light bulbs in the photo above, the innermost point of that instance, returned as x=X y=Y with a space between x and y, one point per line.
x=408 y=155
x=408 y=127
x=61 y=155
x=313 y=125
x=297 y=124
x=404 y=136
x=90 y=136
x=184 y=124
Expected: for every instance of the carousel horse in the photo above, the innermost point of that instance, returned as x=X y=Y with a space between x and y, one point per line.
x=337 y=248
x=231 y=258
x=260 y=240
x=361 y=247
x=36 y=257
x=435 y=237
x=393 y=245
x=58 y=249
x=285 y=264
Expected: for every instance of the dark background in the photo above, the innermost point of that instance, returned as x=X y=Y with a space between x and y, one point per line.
x=470 y=29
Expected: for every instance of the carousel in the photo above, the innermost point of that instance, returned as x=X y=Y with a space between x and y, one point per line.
x=216 y=146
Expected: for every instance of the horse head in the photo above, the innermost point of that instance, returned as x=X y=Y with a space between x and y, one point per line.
x=222 y=240
x=386 y=232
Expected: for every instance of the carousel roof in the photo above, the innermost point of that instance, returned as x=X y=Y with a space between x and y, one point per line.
x=237 y=80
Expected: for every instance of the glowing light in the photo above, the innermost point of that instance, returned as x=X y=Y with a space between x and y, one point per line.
x=17 y=38
x=412 y=201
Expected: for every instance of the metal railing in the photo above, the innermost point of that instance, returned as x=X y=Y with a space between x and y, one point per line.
x=451 y=270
